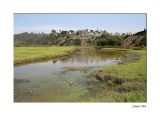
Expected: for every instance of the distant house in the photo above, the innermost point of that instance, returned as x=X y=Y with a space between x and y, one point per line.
x=91 y=33
x=83 y=32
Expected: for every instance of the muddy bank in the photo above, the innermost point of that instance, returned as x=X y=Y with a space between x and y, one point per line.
x=130 y=57
x=82 y=69
x=17 y=81
x=107 y=77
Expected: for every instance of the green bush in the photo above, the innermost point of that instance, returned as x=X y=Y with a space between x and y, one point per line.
x=109 y=40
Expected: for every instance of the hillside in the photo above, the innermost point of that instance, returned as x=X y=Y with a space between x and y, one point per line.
x=138 y=39
x=81 y=38
x=64 y=38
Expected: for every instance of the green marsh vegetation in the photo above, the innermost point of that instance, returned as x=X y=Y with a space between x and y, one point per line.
x=31 y=54
x=127 y=80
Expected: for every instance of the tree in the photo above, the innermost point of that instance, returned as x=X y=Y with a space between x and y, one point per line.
x=53 y=31
x=71 y=31
x=91 y=31
x=64 y=32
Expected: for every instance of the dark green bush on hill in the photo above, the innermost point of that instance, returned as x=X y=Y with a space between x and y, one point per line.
x=141 y=33
x=104 y=40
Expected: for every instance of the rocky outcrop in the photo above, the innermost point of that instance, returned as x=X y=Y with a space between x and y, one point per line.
x=138 y=39
x=132 y=41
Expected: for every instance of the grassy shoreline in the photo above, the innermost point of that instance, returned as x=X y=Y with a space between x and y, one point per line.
x=23 y=55
x=127 y=80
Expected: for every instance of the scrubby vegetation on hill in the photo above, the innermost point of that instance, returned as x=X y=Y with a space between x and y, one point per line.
x=81 y=37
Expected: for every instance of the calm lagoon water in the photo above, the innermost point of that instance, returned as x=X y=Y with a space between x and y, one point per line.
x=52 y=81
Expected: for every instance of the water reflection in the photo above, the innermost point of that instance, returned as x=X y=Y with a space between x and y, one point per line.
x=52 y=79
x=88 y=57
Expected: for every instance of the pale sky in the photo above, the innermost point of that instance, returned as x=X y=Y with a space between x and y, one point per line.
x=110 y=22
